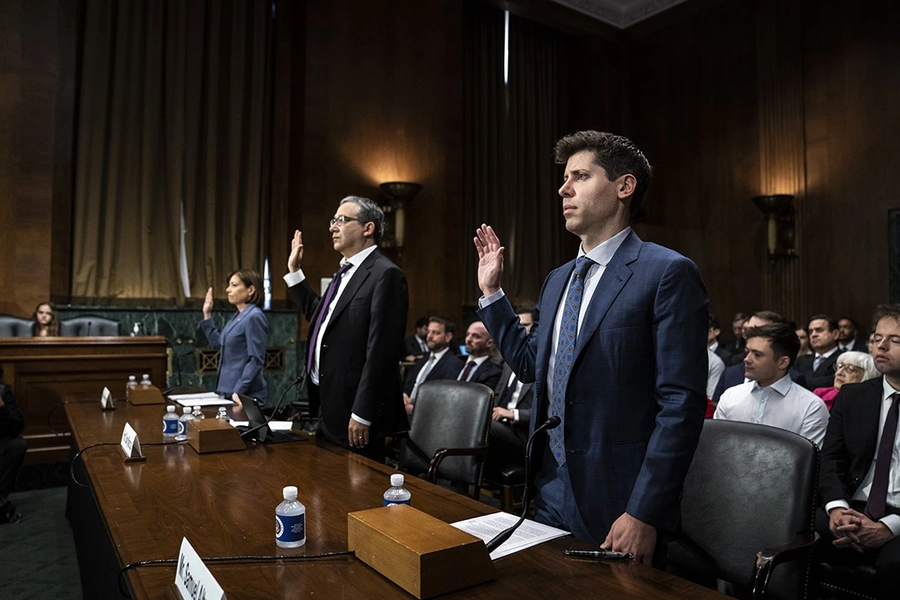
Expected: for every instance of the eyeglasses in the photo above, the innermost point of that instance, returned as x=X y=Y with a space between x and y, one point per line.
x=850 y=369
x=341 y=221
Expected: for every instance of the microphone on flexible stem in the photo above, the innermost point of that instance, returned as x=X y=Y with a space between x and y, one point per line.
x=89 y=329
x=264 y=424
x=504 y=535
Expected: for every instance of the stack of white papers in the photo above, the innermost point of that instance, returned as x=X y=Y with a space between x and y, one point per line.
x=201 y=399
x=530 y=533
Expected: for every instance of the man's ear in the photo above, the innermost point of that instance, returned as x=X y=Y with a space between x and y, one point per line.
x=369 y=229
x=783 y=362
x=626 y=185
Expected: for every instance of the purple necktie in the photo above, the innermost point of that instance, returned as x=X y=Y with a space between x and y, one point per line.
x=875 y=507
x=323 y=310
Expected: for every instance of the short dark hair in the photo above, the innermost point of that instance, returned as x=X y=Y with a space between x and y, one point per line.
x=770 y=316
x=369 y=212
x=782 y=337
x=250 y=277
x=832 y=322
x=741 y=316
x=449 y=327
x=852 y=322
x=527 y=310
x=421 y=322
x=885 y=311
x=713 y=322
x=616 y=154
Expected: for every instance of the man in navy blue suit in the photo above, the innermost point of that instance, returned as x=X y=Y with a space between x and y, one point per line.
x=618 y=351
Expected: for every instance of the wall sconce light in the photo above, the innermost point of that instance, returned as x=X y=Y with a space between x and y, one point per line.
x=400 y=194
x=779 y=218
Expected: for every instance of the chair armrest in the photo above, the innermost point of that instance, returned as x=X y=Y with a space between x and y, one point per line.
x=443 y=453
x=768 y=558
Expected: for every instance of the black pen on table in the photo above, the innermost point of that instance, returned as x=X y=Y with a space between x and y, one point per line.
x=607 y=554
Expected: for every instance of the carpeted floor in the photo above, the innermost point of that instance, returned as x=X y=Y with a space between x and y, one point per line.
x=37 y=554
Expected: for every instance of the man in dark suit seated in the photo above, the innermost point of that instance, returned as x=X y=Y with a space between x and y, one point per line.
x=416 y=345
x=712 y=341
x=848 y=338
x=859 y=479
x=478 y=367
x=439 y=364
x=817 y=369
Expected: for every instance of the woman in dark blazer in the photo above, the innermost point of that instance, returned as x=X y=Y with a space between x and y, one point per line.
x=242 y=342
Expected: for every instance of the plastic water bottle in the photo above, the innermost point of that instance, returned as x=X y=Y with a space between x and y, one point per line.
x=132 y=385
x=397 y=494
x=170 y=422
x=290 y=520
x=197 y=413
x=182 y=423
x=145 y=381
x=222 y=414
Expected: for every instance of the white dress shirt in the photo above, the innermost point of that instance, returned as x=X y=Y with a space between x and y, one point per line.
x=893 y=492
x=716 y=367
x=292 y=279
x=783 y=404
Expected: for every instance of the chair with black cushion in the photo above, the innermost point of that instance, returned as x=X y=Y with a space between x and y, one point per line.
x=448 y=433
x=852 y=583
x=12 y=326
x=748 y=507
x=88 y=325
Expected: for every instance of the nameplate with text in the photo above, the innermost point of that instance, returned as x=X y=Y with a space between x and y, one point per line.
x=192 y=577
x=130 y=444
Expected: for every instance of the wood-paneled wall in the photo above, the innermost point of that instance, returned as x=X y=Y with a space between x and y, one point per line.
x=375 y=94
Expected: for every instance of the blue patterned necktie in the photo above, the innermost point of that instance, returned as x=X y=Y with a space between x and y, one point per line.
x=565 y=356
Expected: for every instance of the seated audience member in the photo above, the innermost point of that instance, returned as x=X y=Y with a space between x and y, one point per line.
x=736 y=346
x=803 y=336
x=46 y=324
x=817 y=370
x=851 y=367
x=712 y=342
x=734 y=375
x=440 y=363
x=716 y=368
x=512 y=412
x=870 y=345
x=478 y=367
x=848 y=338
x=416 y=345
x=858 y=483
x=770 y=397
x=12 y=450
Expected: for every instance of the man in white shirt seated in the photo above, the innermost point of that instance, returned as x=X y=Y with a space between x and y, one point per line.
x=770 y=397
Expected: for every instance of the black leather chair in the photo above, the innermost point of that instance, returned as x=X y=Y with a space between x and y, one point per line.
x=748 y=506
x=448 y=433
x=12 y=326
x=88 y=325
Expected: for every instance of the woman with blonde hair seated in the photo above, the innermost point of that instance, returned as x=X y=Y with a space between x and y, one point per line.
x=851 y=367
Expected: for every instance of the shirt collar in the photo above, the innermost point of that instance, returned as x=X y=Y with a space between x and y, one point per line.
x=439 y=355
x=358 y=258
x=604 y=252
x=782 y=386
x=827 y=354
x=887 y=390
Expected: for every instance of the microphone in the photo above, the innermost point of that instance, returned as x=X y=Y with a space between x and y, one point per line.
x=89 y=329
x=264 y=424
x=551 y=423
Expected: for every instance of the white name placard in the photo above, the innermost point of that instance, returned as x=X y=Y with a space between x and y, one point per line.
x=106 y=400
x=130 y=444
x=192 y=577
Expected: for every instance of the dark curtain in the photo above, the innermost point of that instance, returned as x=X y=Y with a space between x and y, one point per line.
x=173 y=118
x=510 y=177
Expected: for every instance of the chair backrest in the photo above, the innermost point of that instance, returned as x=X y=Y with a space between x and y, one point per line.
x=749 y=487
x=12 y=326
x=450 y=414
x=88 y=325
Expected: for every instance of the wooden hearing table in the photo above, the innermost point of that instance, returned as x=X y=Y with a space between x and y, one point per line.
x=224 y=504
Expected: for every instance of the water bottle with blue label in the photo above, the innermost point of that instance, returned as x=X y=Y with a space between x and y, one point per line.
x=290 y=520
x=397 y=494
x=170 y=423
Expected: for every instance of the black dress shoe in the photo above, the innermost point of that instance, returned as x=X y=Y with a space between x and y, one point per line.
x=8 y=513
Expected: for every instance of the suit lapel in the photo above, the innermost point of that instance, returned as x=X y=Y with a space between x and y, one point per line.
x=614 y=278
x=353 y=286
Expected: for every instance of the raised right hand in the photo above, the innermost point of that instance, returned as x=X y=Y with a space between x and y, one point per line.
x=296 y=255
x=208 y=304
x=490 y=259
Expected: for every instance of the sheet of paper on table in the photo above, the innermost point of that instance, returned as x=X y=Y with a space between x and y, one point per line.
x=530 y=533
x=201 y=399
x=273 y=425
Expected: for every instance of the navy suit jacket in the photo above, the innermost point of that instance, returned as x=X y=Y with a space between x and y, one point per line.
x=242 y=352
x=816 y=378
x=850 y=440
x=636 y=396
x=447 y=368
x=359 y=371
x=486 y=374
